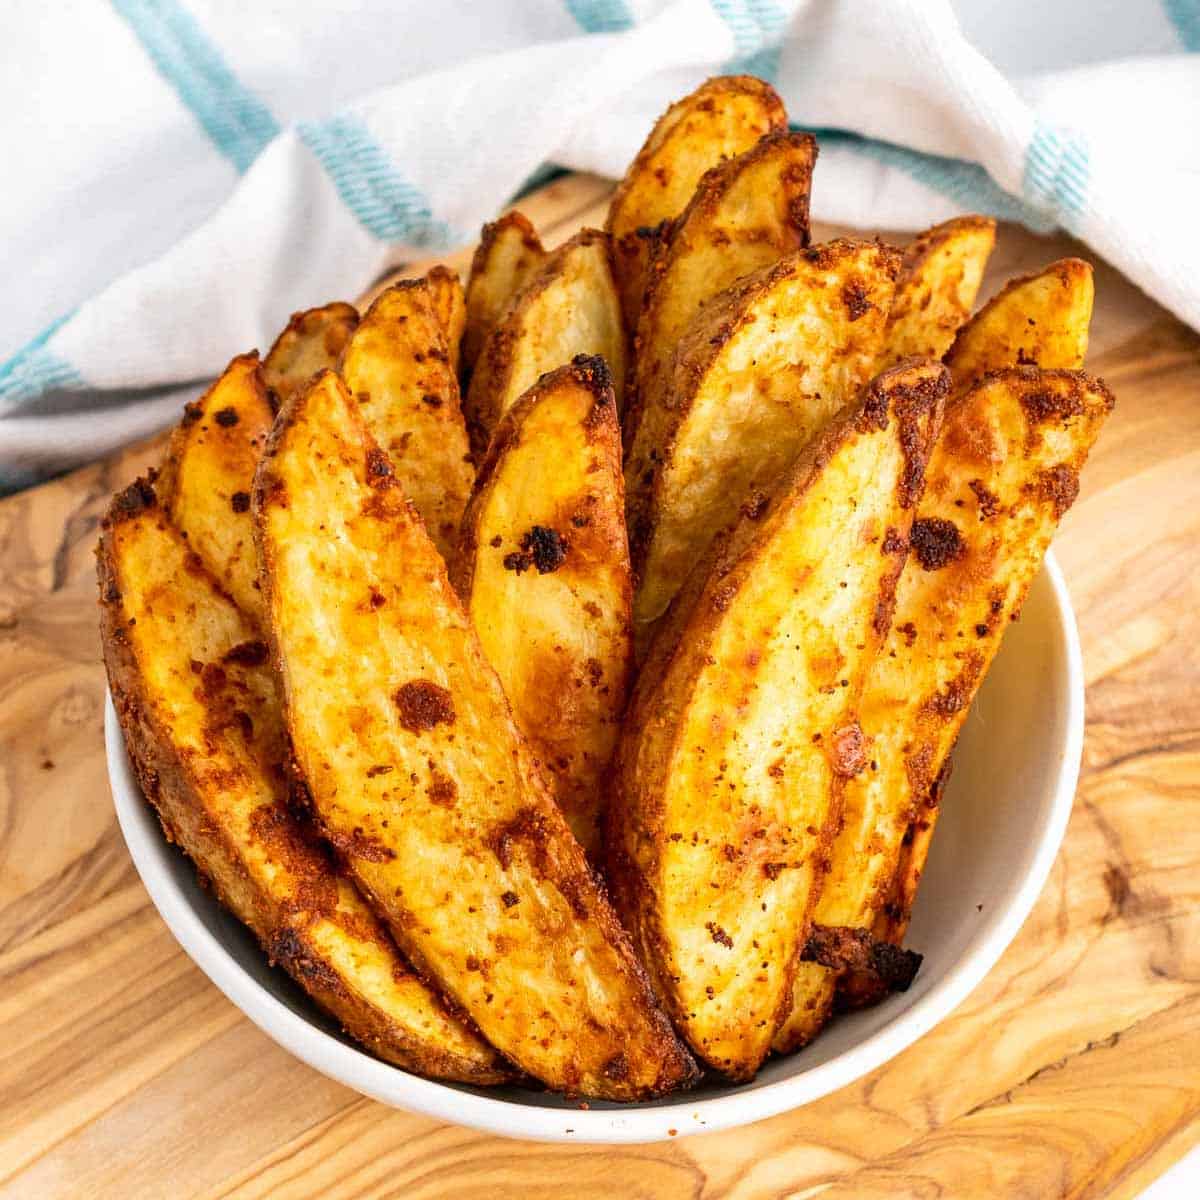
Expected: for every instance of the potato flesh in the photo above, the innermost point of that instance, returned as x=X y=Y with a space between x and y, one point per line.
x=419 y=775
x=181 y=631
x=559 y=638
x=313 y=341
x=509 y=253
x=937 y=287
x=728 y=790
x=746 y=214
x=794 y=352
x=398 y=367
x=569 y=307
x=207 y=476
x=1039 y=320
x=724 y=117
x=997 y=477
x=450 y=308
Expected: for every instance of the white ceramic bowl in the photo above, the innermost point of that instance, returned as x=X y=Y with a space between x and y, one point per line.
x=1002 y=821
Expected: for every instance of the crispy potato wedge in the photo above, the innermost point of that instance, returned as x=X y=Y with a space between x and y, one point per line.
x=450 y=307
x=1037 y=320
x=313 y=340
x=208 y=472
x=568 y=307
x=508 y=254
x=1004 y=471
x=200 y=711
x=722 y=118
x=398 y=368
x=761 y=369
x=743 y=730
x=544 y=573
x=421 y=779
x=747 y=212
x=936 y=288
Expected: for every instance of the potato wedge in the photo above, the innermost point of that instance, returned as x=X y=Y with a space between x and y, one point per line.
x=762 y=368
x=398 y=368
x=450 y=307
x=544 y=574
x=747 y=212
x=1004 y=471
x=313 y=340
x=936 y=288
x=1037 y=320
x=508 y=254
x=208 y=472
x=743 y=727
x=568 y=307
x=199 y=708
x=723 y=117
x=421 y=778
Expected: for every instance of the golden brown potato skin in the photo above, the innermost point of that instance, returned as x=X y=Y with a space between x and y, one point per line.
x=419 y=775
x=1037 y=320
x=208 y=472
x=1004 y=471
x=198 y=706
x=743 y=728
x=508 y=254
x=747 y=212
x=544 y=573
x=936 y=288
x=398 y=367
x=313 y=341
x=569 y=306
x=723 y=117
x=764 y=365
x=450 y=307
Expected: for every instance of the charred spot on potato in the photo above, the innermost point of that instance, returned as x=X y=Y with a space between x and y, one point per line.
x=616 y=1068
x=379 y=467
x=755 y=505
x=137 y=497
x=226 y=418
x=240 y=502
x=379 y=769
x=848 y=750
x=989 y=503
x=854 y=297
x=247 y=654
x=424 y=705
x=529 y=826
x=508 y=899
x=543 y=548
x=443 y=791
x=718 y=934
x=1052 y=404
x=1058 y=487
x=894 y=542
x=358 y=844
x=936 y=542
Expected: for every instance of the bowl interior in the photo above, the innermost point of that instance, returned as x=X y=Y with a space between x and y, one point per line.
x=1003 y=817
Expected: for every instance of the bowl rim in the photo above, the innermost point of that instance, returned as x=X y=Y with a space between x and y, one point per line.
x=628 y=1124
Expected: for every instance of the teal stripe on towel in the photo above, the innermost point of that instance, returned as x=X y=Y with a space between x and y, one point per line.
x=601 y=16
x=758 y=28
x=1185 y=16
x=385 y=203
x=35 y=369
x=238 y=123
x=1056 y=173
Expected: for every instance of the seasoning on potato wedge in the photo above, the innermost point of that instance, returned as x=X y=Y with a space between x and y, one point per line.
x=723 y=117
x=1004 y=471
x=450 y=307
x=569 y=306
x=544 y=574
x=743 y=729
x=207 y=473
x=936 y=288
x=313 y=341
x=508 y=253
x=747 y=212
x=1038 y=320
x=199 y=708
x=761 y=369
x=421 y=779
x=398 y=368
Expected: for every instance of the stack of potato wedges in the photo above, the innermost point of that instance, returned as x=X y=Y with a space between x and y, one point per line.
x=560 y=675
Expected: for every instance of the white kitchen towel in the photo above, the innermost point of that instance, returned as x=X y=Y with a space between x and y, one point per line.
x=182 y=174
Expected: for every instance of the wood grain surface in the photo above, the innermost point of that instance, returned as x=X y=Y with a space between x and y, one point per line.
x=1072 y=1070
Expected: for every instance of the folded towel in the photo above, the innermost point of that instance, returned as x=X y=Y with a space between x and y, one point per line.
x=182 y=174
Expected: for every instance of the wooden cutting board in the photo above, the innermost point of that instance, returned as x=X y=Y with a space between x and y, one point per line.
x=1072 y=1070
